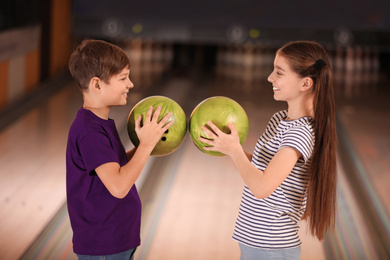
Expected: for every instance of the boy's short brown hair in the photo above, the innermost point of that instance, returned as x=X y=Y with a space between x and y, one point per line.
x=96 y=58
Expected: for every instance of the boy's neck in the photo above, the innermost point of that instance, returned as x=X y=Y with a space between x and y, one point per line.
x=101 y=112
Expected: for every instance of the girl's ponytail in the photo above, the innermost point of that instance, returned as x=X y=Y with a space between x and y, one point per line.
x=309 y=59
x=321 y=193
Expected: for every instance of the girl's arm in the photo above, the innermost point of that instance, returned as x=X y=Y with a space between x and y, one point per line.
x=248 y=155
x=261 y=183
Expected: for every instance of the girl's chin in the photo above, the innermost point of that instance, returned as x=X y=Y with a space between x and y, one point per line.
x=278 y=98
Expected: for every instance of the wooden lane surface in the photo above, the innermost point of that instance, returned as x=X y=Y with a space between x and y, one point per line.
x=200 y=207
x=199 y=212
x=190 y=210
x=32 y=187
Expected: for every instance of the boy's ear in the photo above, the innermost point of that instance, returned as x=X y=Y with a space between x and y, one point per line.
x=94 y=85
x=307 y=83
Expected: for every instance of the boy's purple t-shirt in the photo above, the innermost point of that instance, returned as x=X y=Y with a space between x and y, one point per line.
x=101 y=223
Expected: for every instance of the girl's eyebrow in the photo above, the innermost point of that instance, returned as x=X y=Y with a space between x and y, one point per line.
x=279 y=68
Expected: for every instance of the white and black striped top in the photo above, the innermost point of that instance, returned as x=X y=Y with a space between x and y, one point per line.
x=272 y=222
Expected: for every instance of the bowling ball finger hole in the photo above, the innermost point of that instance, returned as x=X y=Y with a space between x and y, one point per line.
x=166 y=132
x=163 y=139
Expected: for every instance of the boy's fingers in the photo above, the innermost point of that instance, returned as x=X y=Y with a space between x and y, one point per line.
x=156 y=114
x=165 y=119
x=168 y=125
x=138 y=122
x=149 y=114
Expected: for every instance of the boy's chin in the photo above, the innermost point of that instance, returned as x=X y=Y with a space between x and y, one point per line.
x=123 y=102
x=120 y=104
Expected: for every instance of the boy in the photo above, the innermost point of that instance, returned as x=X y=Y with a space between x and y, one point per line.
x=103 y=202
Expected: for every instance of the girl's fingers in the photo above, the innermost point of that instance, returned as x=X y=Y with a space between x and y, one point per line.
x=233 y=129
x=214 y=128
x=205 y=140
x=207 y=131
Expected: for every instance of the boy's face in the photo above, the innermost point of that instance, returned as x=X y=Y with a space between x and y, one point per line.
x=115 y=91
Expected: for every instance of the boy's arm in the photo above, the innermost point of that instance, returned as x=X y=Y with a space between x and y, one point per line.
x=130 y=153
x=119 y=180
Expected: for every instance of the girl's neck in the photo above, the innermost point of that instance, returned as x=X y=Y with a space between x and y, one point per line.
x=301 y=109
x=293 y=115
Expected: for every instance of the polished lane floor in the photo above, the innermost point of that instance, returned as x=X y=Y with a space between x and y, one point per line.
x=190 y=200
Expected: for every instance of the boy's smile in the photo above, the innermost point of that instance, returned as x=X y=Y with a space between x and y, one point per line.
x=116 y=91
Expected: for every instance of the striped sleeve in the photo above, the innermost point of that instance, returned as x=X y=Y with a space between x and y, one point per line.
x=300 y=138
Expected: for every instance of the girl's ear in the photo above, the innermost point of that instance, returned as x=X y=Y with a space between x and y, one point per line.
x=94 y=85
x=307 y=83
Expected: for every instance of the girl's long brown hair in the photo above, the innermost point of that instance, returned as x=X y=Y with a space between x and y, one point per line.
x=309 y=59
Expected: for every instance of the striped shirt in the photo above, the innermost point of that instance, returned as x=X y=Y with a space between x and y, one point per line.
x=272 y=222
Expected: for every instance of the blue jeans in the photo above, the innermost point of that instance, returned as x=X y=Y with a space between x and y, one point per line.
x=128 y=255
x=251 y=253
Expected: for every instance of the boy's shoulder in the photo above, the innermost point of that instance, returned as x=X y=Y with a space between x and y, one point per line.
x=85 y=122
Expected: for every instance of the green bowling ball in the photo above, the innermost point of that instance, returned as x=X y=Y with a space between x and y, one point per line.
x=173 y=137
x=220 y=111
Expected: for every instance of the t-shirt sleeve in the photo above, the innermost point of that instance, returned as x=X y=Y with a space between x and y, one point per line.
x=96 y=150
x=301 y=139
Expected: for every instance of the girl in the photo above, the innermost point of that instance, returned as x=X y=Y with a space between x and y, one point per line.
x=292 y=172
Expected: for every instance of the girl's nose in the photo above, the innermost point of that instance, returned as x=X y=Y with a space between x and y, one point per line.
x=270 y=78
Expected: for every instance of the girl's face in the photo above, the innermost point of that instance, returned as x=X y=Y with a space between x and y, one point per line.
x=115 y=92
x=285 y=82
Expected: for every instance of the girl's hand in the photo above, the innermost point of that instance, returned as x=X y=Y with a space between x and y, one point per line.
x=221 y=142
x=152 y=130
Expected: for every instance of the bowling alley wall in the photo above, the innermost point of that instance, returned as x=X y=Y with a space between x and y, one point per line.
x=37 y=36
x=35 y=45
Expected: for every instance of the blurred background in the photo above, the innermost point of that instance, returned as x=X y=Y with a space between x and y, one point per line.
x=189 y=51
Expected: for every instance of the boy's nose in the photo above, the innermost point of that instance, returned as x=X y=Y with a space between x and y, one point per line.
x=131 y=85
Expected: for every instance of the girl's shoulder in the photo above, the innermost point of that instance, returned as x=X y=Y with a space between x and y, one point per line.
x=278 y=121
x=280 y=115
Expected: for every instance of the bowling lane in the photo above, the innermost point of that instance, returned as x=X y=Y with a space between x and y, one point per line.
x=191 y=200
x=33 y=181
x=32 y=158
x=361 y=229
x=187 y=210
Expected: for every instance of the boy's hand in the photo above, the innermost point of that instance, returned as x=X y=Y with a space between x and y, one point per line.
x=152 y=130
